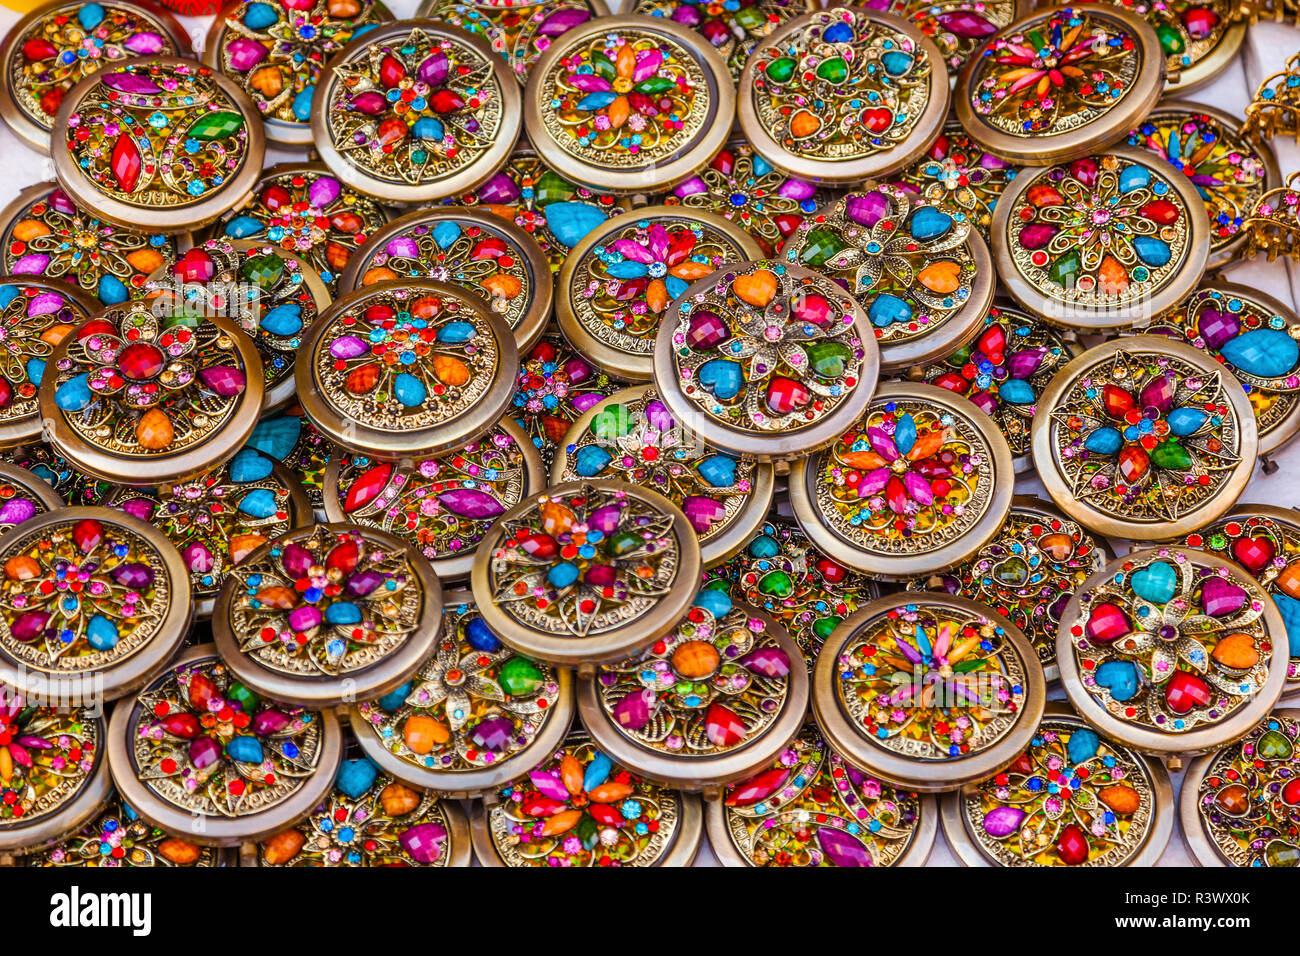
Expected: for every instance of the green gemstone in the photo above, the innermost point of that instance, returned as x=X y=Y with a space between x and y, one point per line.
x=245 y=698
x=1280 y=853
x=552 y=187
x=520 y=677
x=1065 y=270
x=603 y=66
x=834 y=70
x=1273 y=746
x=1171 y=41
x=820 y=245
x=828 y=359
x=217 y=125
x=264 y=270
x=823 y=627
x=1012 y=571
x=655 y=85
x=1171 y=456
x=776 y=583
x=622 y=542
x=611 y=422
x=750 y=18
x=781 y=69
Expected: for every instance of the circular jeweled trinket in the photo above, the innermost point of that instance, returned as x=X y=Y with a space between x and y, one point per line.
x=276 y=53
x=766 y=359
x=578 y=808
x=472 y=248
x=1060 y=83
x=474 y=716
x=1144 y=437
x=586 y=572
x=273 y=294
x=923 y=275
x=1172 y=650
x=442 y=505
x=140 y=399
x=36 y=314
x=958 y=27
x=1073 y=798
x=843 y=95
x=53 y=772
x=217 y=519
x=1028 y=572
x=1199 y=37
x=1238 y=804
x=921 y=482
x=1101 y=242
x=305 y=210
x=1265 y=540
x=617 y=285
x=118 y=837
x=957 y=173
x=631 y=436
x=928 y=691
x=1004 y=371
x=23 y=496
x=734 y=29
x=414 y=111
x=43 y=235
x=89 y=598
x=370 y=819
x=1230 y=171
x=713 y=701
x=50 y=50
x=163 y=143
x=744 y=188
x=556 y=387
x=328 y=613
x=811 y=807
x=202 y=756
x=407 y=367
x=630 y=104
x=1255 y=336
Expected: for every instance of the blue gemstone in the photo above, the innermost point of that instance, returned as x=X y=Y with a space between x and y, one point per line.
x=276 y=436
x=627 y=269
x=343 y=612
x=428 y=128
x=111 y=290
x=1154 y=252
x=888 y=309
x=445 y=233
x=455 y=332
x=1267 y=353
x=355 y=777
x=394 y=699
x=1104 y=441
x=1017 y=391
x=839 y=32
x=301 y=105
x=74 y=394
x=722 y=377
x=896 y=63
x=101 y=633
x=764 y=546
x=1083 y=745
x=35 y=370
x=1155 y=583
x=714 y=600
x=905 y=434
x=7 y=294
x=244 y=749
x=259 y=16
x=249 y=465
x=929 y=223
x=90 y=15
x=570 y=222
x=241 y=227
x=1290 y=609
x=480 y=636
x=563 y=574
x=719 y=471
x=1133 y=177
x=409 y=390
x=1185 y=421
x=283 y=320
x=597 y=772
x=259 y=503
x=591 y=460
x=596 y=100
x=1120 y=678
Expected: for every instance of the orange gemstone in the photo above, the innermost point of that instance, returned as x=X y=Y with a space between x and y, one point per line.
x=450 y=370
x=242 y=545
x=154 y=430
x=1123 y=800
x=503 y=284
x=556 y=518
x=398 y=800
x=941 y=277
x=1057 y=546
x=804 y=124
x=282 y=847
x=696 y=660
x=22 y=568
x=1133 y=463
x=144 y=261
x=1289 y=580
x=757 y=288
x=1112 y=278
x=422 y=733
x=278 y=596
x=55 y=334
x=30 y=229
x=180 y=852
x=377 y=274
x=362 y=379
x=426 y=307
x=1236 y=652
x=337 y=255
x=1233 y=799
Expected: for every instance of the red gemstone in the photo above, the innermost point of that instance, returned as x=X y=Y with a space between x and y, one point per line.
x=953 y=382
x=125 y=162
x=181 y=725
x=896 y=495
x=201 y=691
x=6 y=392
x=1291 y=792
x=390 y=132
x=1116 y=401
x=992 y=343
x=447 y=101
x=275 y=197
x=1106 y=623
x=489 y=248
x=1186 y=691
x=1022 y=765
x=343 y=557
x=606 y=815
x=1133 y=463
x=538 y=545
x=756 y=788
x=722 y=727
x=1254 y=554
x=140 y=362
x=38 y=48
x=1200 y=22
x=87 y=534
x=1160 y=211
x=724 y=162
x=832 y=572
x=195 y=266
x=787 y=223
x=345 y=221
x=1072 y=846
x=391 y=72
x=367 y=487
x=784 y=395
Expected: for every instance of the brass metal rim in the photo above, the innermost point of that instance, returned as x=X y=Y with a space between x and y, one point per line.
x=922 y=775
x=191 y=216
x=620 y=363
x=206 y=828
x=1097 y=135
x=435 y=439
x=689 y=158
x=33 y=485
x=148 y=661
x=377 y=679
x=447 y=568
x=707 y=773
x=618 y=642
x=843 y=172
x=1150 y=741
x=805 y=475
x=715 y=548
x=31 y=133
x=1044 y=450
x=968 y=848
x=1085 y=318
x=464 y=180
x=541 y=290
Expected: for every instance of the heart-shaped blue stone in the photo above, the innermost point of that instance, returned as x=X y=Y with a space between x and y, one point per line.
x=721 y=377
x=1155 y=583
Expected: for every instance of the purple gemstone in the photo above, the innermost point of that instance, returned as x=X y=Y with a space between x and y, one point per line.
x=134 y=576
x=470 y=503
x=60 y=202
x=364 y=581
x=659 y=417
x=964 y=23
x=986 y=402
x=433 y=69
x=130 y=83
x=1220 y=598
x=32 y=265
x=706 y=330
x=245 y=54
x=686 y=15
x=768 y=661
x=493 y=734
x=323 y=191
x=29 y=626
x=703 y=512
x=348 y=347
x=203 y=752
x=1158 y=393
x=269 y=721
x=500 y=190
x=633 y=711
x=371 y=102
x=918 y=489
x=1217 y=328
x=691 y=187
x=796 y=189
x=587 y=401
x=989 y=161
x=198 y=558
x=841 y=848
x=562 y=21
x=605 y=519
x=144 y=44
x=403 y=247
x=1036 y=235
x=600 y=576
x=1025 y=362
x=225 y=380
x=17 y=510
x=423 y=843
x=46 y=303
x=577 y=370
x=141 y=508
x=866 y=208
x=1002 y=821
x=304 y=618
x=296 y=559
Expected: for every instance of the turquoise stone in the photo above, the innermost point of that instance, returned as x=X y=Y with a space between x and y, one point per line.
x=716 y=602
x=301 y=105
x=455 y=332
x=343 y=612
x=1155 y=583
x=1133 y=177
x=111 y=290
x=283 y=320
x=35 y=370
x=249 y=465
x=410 y=391
x=1103 y=441
x=1267 y=353
x=764 y=546
x=1154 y=252
x=244 y=749
x=888 y=309
x=276 y=436
x=355 y=777
x=929 y=223
x=597 y=772
x=259 y=503
x=1120 y=678
x=74 y=394
x=591 y=460
x=259 y=16
x=905 y=434
x=563 y=574
x=719 y=471
x=896 y=63
x=7 y=294
x=627 y=269
x=241 y=227
x=394 y=699
x=1185 y=421
x=570 y=222
x=722 y=377
x=1290 y=609
x=1017 y=391
x=101 y=633
x=1083 y=745
x=90 y=15
x=428 y=128
x=445 y=233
